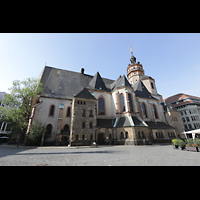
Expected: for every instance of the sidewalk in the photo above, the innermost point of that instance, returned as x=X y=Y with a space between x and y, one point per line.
x=43 y=147
x=60 y=147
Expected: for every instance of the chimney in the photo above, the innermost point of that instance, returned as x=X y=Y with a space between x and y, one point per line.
x=82 y=70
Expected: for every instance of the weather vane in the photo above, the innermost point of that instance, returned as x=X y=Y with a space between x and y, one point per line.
x=131 y=48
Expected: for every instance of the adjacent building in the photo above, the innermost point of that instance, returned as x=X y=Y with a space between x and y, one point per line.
x=189 y=108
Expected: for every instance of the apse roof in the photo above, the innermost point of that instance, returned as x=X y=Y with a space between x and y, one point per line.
x=97 y=83
x=141 y=91
x=85 y=94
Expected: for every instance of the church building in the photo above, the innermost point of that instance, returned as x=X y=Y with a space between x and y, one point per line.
x=78 y=109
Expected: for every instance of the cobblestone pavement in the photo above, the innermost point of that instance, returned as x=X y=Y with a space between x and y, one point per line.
x=103 y=156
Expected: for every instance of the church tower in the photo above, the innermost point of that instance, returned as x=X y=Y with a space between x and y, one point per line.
x=134 y=70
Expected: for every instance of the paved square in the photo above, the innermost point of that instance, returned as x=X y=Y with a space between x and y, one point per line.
x=157 y=155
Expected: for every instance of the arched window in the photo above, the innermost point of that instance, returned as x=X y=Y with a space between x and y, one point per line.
x=51 y=112
x=143 y=134
x=68 y=111
x=139 y=135
x=83 y=125
x=155 y=111
x=101 y=106
x=130 y=102
x=122 y=136
x=91 y=114
x=66 y=129
x=122 y=103
x=126 y=135
x=84 y=113
x=49 y=130
x=152 y=86
x=144 y=110
x=76 y=138
x=91 y=137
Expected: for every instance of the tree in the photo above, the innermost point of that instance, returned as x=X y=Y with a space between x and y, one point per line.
x=37 y=131
x=19 y=102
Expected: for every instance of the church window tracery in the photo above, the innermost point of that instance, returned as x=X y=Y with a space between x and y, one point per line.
x=52 y=108
x=144 y=110
x=68 y=111
x=155 y=111
x=130 y=102
x=101 y=106
x=122 y=103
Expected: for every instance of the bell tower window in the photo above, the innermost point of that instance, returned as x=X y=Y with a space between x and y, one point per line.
x=152 y=86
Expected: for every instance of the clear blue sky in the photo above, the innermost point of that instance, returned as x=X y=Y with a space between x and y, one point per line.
x=172 y=59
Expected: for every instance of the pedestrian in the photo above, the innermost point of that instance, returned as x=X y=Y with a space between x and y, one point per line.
x=144 y=141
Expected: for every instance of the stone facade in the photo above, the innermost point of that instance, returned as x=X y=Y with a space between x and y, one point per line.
x=83 y=121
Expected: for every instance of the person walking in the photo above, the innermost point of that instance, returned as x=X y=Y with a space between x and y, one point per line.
x=144 y=141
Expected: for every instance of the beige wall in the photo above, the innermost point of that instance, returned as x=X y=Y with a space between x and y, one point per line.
x=161 y=117
x=147 y=83
x=174 y=120
x=109 y=104
x=42 y=113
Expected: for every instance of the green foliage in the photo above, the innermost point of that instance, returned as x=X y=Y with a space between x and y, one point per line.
x=175 y=141
x=37 y=129
x=197 y=142
x=178 y=142
x=189 y=142
x=181 y=143
x=18 y=102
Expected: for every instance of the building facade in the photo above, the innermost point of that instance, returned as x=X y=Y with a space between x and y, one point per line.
x=78 y=108
x=189 y=108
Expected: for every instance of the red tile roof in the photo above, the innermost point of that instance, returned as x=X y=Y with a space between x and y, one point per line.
x=178 y=97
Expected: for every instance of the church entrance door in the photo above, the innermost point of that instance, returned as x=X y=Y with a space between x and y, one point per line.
x=64 y=140
x=100 y=138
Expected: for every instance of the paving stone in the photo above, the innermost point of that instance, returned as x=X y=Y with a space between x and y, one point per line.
x=151 y=155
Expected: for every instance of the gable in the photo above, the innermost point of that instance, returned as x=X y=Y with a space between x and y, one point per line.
x=141 y=91
x=97 y=83
x=85 y=94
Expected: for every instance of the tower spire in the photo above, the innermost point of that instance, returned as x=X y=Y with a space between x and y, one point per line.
x=133 y=58
x=134 y=70
x=131 y=49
